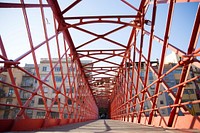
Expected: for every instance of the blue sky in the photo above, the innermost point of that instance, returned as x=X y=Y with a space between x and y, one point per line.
x=15 y=39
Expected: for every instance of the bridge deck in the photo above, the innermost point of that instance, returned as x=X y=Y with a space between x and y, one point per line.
x=107 y=125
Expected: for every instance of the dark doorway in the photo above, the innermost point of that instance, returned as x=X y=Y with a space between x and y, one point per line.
x=103 y=113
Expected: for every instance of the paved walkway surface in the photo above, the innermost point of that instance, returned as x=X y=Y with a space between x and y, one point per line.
x=111 y=126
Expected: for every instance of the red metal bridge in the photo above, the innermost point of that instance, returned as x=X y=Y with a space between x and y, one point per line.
x=99 y=59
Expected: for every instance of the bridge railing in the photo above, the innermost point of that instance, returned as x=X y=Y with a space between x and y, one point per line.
x=163 y=92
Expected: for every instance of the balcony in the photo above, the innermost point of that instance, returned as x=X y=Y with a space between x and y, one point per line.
x=26 y=84
x=25 y=95
x=9 y=95
x=197 y=80
x=27 y=81
x=2 y=77
x=196 y=70
x=2 y=107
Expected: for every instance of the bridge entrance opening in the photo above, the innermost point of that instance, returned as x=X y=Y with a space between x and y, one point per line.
x=104 y=113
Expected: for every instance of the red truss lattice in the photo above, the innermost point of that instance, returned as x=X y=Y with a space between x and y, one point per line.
x=75 y=69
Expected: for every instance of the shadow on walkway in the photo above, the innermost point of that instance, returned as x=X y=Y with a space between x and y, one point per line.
x=107 y=125
x=68 y=127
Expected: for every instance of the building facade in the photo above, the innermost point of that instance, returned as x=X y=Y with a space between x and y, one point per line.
x=191 y=90
x=8 y=96
x=60 y=91
x=66 y=80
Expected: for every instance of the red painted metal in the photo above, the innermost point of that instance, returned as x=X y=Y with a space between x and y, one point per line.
x=186 y=68
x=168 y=1
x=149 y=58
x=87 y=87
x=161 y=68
x=19 y=5
x=11 y=76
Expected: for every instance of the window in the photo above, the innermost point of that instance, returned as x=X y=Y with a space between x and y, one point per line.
x=130 y=73
x=152 y=86
x=70 y=69
x=191 y=91
x=166 y=79
x=2 y=93
x=177 y=81
x=45 y=89
x=40 y=101
x=68 y=89
x=185 y=100
x=58 y=78
x=189 y=83
x=142 y=75
x=2 y=78
x=72 y=89
x=152 y=92
x=57 y=88
x=178 y=71
x=57 y=69
x=71 y=79
x=161 y=102
x=188 y=91
x=66 y=80
x=56 y=102
x=150 y=76
x=9 y=101
x=54 y=114
x=69 y=101
x=45 y=68
x=6 y=114
x=43 y=77
x=163 y=111
x=65 y=115
x=11 y=90
x=40 y=114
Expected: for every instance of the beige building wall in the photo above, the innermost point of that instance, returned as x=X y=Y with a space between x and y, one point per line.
x=71 y=84
x=9 y=112
x=190 y=90
x=22 y=80
x=151 y=78
x=2 y=95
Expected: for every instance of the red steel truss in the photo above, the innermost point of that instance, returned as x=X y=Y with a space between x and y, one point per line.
x=112 y=80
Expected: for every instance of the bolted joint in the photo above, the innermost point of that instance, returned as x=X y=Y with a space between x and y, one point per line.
x=58 y=92
x=160 y=80
x=9 y=63
x=187 y=59
x=184 y=85
x=34 y=93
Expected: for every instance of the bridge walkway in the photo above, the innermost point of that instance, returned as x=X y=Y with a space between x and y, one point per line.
x=113 y=126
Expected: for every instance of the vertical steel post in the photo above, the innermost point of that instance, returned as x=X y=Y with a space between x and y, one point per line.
x=33 y=54
x=149 y=57
x=164 y=49
x=186 y=66
x=12 y=78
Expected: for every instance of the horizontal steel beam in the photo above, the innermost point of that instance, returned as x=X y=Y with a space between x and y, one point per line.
x=19 y=5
